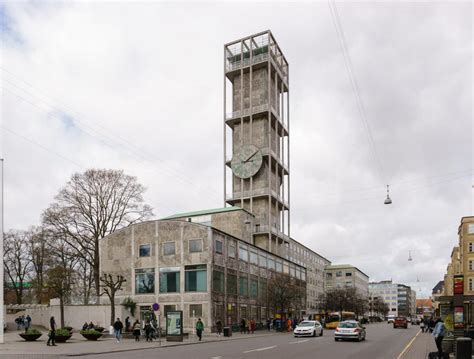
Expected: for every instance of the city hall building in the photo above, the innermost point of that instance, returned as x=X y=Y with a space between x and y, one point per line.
x=216 y=263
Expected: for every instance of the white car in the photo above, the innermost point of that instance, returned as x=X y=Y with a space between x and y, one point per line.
x=310 y=328
x=349 y=329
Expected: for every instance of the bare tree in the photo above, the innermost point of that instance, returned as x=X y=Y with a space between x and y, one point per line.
x=59 y=280
x=285 y=293
x=39 y=253
x=92 y=205
x=110 y=287
x=16 y=261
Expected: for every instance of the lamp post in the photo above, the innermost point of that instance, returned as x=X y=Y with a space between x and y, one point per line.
x=2 y=315
x=388 y=200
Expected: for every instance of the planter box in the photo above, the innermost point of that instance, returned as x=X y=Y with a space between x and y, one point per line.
x=30 y=337
x=91 y=336
x=62 y=338
x=448 y=345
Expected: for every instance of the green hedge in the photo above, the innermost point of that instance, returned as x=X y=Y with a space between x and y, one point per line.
x=91 y=332
x=32 y=331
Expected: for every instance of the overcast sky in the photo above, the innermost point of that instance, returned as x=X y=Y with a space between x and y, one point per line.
x=139 y=87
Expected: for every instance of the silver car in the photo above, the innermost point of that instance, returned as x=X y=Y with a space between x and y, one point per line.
x=309 y=328
x=349 y=329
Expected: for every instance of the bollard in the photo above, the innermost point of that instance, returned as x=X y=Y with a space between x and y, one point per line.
x=463 y=348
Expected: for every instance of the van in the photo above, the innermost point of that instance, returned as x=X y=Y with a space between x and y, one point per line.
x=391 y=318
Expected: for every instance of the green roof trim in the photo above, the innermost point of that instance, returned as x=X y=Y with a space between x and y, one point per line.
x=204 y=212
x=344 y=266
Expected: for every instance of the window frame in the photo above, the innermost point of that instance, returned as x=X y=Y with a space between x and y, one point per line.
x=165 y=270
x=198 y=268
x=221 y=242
x=164 y=246
x=144 y=271
x=195 y=240
x=144 y=245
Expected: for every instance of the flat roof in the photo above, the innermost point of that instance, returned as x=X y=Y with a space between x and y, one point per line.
x=206 y=211
x=344 y=266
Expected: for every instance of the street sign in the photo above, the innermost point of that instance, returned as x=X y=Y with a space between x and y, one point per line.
x=156 y=307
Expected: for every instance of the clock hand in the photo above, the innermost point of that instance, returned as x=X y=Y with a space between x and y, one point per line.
x=253 y=154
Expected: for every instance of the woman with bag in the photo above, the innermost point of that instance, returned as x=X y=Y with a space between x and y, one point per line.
x=136 y=330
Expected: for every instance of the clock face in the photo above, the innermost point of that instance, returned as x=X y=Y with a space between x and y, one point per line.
x=246 y=161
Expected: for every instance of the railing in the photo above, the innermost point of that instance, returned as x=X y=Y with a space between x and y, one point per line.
x=235 y=65
x=247 y=111
x=254 y=193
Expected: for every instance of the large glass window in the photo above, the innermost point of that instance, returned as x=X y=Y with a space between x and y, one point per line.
x=169 y=280
x=303 y=275
x=232 y=249
x=262 y=291
x=243 y=253
x=195 y=278
x=144 y=281
x=253 y=287
x=195 y=309
x=253 y=257
x=286 y=269
x=262 y=260
x=271 y=263
x=219 y=247
x=195 y=245
x=243 y=286
x=169 y=248
x=144 y=250
x=218 y=281
x=231 y=284
x=278 y=266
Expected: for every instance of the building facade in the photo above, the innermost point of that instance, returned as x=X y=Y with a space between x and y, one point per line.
x=188 y=266
x=347 y=276
x=387 y=291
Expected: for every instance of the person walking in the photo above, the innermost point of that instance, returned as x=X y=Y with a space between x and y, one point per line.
x=27 y=323
x=438 y=332
x=136 y=330
x=148 y=331
x=127 y=324
x=118 y=326
x=52 y=332
x=199 y=328
x=243 y=325
x=422 y=326
x=219 y=328
x=269 y=324
x=253 y=325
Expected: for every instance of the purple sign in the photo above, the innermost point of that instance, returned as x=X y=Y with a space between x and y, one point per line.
x=156 y=307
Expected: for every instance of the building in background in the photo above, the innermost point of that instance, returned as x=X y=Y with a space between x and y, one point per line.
x=387 y=291
x=347 y=276
x=405 y=300
x=424 y=308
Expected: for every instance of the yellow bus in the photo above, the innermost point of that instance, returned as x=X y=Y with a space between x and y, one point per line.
x=333 y=319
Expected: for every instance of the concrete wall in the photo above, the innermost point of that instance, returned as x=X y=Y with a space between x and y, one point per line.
x=76 y=315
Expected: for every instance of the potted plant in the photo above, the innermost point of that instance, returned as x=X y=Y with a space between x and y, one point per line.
x=91 y=334
x=68 y=328
x=31 y=334
x=99 y=329
x=62 y=335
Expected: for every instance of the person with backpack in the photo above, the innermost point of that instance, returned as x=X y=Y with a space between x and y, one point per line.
x=118 y=326
x=199 y=328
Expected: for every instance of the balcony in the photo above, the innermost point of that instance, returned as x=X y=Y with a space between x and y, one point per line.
x=230 y=117
x=261 y=192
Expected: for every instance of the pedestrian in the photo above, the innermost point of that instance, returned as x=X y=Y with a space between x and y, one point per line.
x=288 y=324
x=253 y=325
x=85 y=326
x=199 y=328
x=127 y=324
x=90 y=326
x=219 y=328
x=52 y=332
x=18 y=323
x=269 y=324
x=294 y=323
x=431 y=325
x=27 y=322
x=438 y=332
x=422 y=326
x=118 y=326
x=148 y=331
x=243 y=325
x=136 y=330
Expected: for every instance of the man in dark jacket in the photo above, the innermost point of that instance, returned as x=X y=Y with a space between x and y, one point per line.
x=118 y=326
x=52 y=333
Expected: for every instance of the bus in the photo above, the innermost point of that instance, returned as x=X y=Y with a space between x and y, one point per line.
x=333 y=319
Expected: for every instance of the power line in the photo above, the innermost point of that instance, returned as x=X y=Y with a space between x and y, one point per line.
x=355 y=87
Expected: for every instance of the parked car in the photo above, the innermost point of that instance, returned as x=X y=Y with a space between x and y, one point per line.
x=350 y=329
x=390 y=318
x=400 y=322
x=310 y=328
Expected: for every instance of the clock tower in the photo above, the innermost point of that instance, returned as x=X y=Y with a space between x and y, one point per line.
x=256 y=137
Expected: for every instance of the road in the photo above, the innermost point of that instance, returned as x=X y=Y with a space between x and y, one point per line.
x=383 y=342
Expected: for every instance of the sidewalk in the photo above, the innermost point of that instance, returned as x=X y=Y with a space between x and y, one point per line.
x=420 y=347
x=16 y=347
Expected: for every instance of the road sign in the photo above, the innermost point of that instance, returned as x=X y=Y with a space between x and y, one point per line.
x=156 y=307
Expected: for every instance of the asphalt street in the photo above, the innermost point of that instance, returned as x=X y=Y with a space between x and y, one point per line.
x=383 y=342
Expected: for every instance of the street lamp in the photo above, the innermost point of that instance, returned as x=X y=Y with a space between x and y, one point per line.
x=388 y=200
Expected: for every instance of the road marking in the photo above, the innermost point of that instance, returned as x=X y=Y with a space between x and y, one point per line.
x=408 y=346
x=259 y=349
x=299 y=341
x=216 y=357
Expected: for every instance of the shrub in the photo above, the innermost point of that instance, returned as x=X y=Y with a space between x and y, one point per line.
x=63 y=332
x=32 y=331
x=91 y=332
x=68 y=328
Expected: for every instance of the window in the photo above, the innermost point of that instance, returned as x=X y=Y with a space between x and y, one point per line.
x=348 y=274
x=329 y=275
x=262 y=260
x=231 y=284
x=253 y=257
x=271 y=263
x=218 y=281
x=243 y=253
x=471 y=284
x=219 y=247
x=292 y=271
x=286 y=269
x=471 y=247
x=195 y=309
x=339 y=273
x=470 y=228
x=144 y=281
x=169 y=308
x=144 y=250
x=253 y=287
x=195 y=278
x=471 y=264
x=243 y=286
x=169 y=248
x=169 y=280
x=232 y=250
x=303 y=275
x=278 y=266
x=195 y=245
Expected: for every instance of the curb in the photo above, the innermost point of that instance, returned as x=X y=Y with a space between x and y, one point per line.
x=167 y=346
